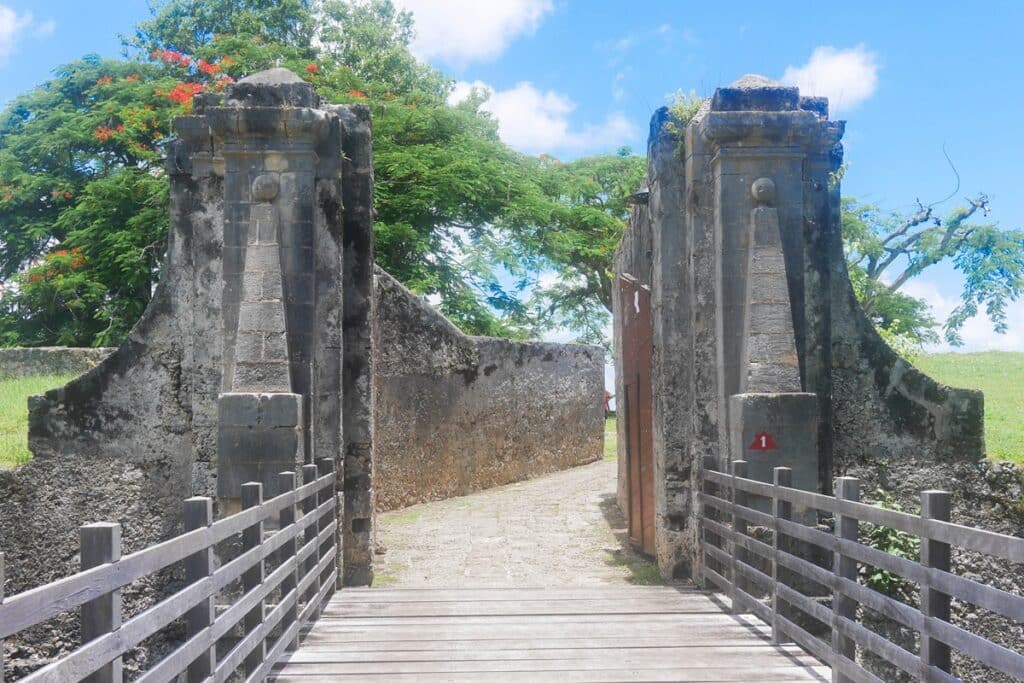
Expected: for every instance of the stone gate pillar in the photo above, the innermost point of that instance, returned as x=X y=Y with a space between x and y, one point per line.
x=769 y=155
x=283 y=243
x=742 y=221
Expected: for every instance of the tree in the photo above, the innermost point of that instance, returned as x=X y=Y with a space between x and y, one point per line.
x=591 y=210
x=884 y=252
x=80 y=165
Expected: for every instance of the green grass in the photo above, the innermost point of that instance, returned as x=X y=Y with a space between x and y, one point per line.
x=610 y=439
x=1000 y=374
x=14 y=395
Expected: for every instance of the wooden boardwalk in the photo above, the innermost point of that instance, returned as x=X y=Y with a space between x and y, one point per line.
x=603 y=633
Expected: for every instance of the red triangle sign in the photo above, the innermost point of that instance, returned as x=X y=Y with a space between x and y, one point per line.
x=763 y=442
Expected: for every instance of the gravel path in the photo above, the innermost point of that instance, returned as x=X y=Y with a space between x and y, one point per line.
x=563 y=529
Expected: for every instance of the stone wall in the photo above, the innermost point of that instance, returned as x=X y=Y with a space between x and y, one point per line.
x=456 y=414
x=902 y=432
x=49 y=360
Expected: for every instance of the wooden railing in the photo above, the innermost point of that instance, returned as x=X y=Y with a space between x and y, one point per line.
x=803 y=580
x=254 y=625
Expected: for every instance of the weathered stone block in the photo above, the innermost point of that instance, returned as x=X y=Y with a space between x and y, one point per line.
x=280 y=410
x=263 y=375
x=265 y=316
x=238 y=409
x=249 y=347
x=263 y=257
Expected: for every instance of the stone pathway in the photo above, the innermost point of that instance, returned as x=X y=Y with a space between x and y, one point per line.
x=563 y=529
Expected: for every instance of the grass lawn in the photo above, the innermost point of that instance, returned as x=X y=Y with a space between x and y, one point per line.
x=14 y=395
x=1000 y=374
x=611 y=438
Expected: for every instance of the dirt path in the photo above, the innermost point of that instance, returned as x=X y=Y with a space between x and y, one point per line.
x=563 y=529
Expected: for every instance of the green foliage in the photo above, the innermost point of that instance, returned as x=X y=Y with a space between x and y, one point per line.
x=80 y=166
x=894 y=542
x=885 y=251
x=14 y=395
x=80 y=173
x=589 y=214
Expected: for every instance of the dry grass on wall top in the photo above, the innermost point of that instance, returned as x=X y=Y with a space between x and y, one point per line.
x=1000 y=374
x=14 y=395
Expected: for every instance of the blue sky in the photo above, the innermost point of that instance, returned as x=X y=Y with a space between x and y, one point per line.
x=583 y=76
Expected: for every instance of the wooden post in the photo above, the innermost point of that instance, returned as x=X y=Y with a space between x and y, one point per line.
x=935 y=555
x=739 y=528
x=286 y=484
x=782 y=477
x=252 y=537
x=325 y=466
x=847 y=488
x=710 y=463
x=101 y=544
x=309 y=505
x=198 y=515
x=2 y=602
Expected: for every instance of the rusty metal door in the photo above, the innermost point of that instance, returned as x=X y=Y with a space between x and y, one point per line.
x=637 y=408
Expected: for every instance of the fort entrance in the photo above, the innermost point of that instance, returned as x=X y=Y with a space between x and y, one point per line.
x=283 y=390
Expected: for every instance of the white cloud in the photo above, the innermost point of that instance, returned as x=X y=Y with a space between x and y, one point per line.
x=532 y=120
x=846 y=77
x=463 y=31
x=978 y=332
x=45 y=29
x=12 y=25
x=619 y=84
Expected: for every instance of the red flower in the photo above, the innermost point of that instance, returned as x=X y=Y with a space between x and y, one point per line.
x=184 y=92
x=208 y=68
x=227 y=61
x=357 y=93
x=312 y=68
x=105 y=80
x=103 y=133
x=132 y=78
x=67 y=195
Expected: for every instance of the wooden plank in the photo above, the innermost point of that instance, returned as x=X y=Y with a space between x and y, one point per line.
x=45 y=602
x=876 y=644
x=709 y=620
x=594 y=592
x=357 y=646
x=191 y=648
x=284 y=642
x=235 y=657
x=683 y=657
x=575 y=676
x=515 y=607
x=710 y=657
x=976 y=647
x=753 y=671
